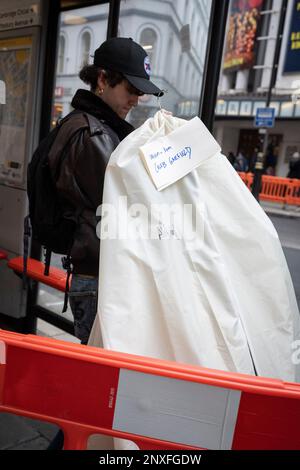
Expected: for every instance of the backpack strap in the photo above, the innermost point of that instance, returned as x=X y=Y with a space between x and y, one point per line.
x=67 y=264
x=26 y=236
x=47 y=261
x=60 y=121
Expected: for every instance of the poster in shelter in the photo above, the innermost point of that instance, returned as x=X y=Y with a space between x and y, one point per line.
x=15 y=56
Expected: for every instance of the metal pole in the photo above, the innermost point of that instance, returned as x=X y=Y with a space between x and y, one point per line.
x=113 y=19
x=49 y=69
x=213 y=61
x=277 y=50
x=259 y=165
x=29 y=322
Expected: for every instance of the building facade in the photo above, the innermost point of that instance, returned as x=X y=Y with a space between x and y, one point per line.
x=244 y=87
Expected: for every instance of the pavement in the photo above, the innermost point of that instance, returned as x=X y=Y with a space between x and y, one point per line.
x=283 y=210
x=19 y=433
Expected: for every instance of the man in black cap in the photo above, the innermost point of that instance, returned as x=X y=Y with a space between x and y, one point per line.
x=119 y=75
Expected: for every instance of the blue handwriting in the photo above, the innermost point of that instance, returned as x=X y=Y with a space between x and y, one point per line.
x=185 y=152
x=155 y=155
x=160 y=166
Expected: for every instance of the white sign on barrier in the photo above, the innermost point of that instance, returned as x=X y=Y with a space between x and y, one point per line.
x=2 y=352
x=153 y=406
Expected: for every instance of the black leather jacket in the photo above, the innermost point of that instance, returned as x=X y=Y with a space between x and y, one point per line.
x=81 y=176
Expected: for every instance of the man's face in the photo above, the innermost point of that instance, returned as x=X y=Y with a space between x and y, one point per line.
x=121 y=98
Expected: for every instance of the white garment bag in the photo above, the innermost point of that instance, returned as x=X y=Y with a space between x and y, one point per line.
x=223 y=299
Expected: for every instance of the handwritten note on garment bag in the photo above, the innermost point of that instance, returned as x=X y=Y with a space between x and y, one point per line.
x=169 y=158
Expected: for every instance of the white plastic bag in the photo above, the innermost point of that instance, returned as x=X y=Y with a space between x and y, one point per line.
x=224 y=300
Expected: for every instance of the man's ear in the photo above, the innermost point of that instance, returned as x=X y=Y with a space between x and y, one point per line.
x=102 y=80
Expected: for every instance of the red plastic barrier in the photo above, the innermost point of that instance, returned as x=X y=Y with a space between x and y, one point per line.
x=276 y=189
x=87 y=390
x=35 y=270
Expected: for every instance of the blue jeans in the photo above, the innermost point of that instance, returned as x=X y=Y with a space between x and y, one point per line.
x=83 y=298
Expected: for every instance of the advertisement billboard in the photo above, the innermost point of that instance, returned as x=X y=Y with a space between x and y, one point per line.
x=292 y=56
x=15 y=61
x=244 y=18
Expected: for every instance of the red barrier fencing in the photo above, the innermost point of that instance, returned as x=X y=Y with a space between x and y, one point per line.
x=156 y=404
x=275 y=188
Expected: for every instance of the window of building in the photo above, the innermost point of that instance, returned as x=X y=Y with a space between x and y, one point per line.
x=186 y=11
x=61 y=54
x=75 y=49
x=232 y=80
x=148 y=41
x=85 y=48
x=198 y=34
x=186 y=77
x=194 y=84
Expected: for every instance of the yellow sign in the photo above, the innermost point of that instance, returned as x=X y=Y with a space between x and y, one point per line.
x=15 y=43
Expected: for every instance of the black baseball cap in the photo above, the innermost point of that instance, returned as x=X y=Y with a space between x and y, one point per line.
x=129 y=58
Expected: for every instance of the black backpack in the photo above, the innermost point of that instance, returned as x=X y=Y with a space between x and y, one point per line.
x=47 y=222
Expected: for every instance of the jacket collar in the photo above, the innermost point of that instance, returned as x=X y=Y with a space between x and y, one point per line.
x=89 y=102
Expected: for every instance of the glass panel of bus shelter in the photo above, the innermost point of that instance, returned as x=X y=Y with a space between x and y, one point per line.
x=15 y=93
x=174 y=34
x=81 y=31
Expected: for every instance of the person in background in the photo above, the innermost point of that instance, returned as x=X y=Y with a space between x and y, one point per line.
x=270 y=161
x=231 y=158
x=253 y=160
x=241 y=163
x=294 y=166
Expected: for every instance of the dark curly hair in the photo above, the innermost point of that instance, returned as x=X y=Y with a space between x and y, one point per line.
x=89 y=74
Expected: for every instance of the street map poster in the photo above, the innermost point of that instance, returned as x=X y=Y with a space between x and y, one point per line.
x=242 y=29
x=15 y=56
x=292 y=57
